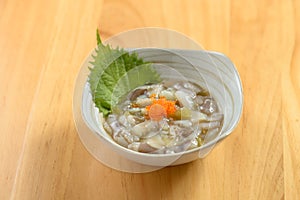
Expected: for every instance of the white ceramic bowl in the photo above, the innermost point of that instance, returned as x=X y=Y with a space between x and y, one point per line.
x=209 y=69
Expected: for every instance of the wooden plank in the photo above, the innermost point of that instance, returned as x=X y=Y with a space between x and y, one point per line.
x=23 y=46
x=291 y=109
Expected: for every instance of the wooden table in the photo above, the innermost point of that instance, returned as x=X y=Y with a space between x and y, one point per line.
x=42 y=45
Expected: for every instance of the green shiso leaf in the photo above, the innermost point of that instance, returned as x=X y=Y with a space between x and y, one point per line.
x=114 y=73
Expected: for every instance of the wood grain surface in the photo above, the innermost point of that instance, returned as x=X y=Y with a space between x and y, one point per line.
x=42 y=45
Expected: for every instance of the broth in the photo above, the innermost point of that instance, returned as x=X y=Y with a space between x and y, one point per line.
x=169 y=117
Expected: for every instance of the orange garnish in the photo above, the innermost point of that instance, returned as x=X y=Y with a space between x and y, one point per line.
x=160 y=108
